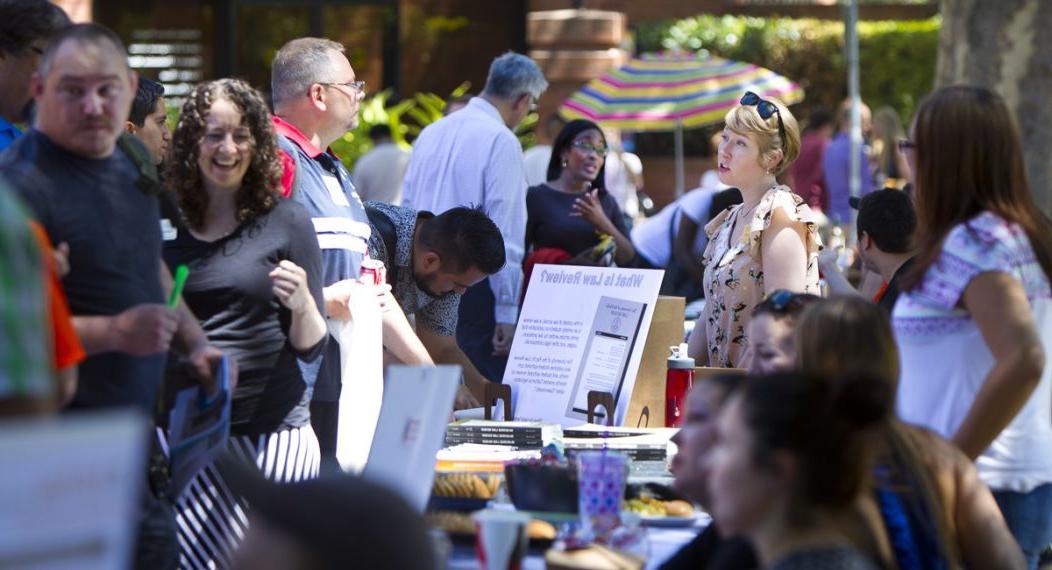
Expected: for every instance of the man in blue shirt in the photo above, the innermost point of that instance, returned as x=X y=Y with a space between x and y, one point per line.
x=25 y=27
x=316 y=99
x=836 y=165
x=88 y=192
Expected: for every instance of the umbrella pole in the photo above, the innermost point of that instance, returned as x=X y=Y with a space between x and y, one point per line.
x=679 y=159
x=857 y=168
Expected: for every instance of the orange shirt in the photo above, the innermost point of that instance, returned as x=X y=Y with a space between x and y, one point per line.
x=68 y=350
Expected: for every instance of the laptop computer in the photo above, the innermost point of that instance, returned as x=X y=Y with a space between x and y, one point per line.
x=411 y=429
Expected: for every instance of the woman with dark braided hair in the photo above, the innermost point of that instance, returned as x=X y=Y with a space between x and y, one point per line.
x=255 y=284
x=791 y=458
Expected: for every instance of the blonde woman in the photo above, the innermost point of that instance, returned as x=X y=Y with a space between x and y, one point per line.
x=768 y=242
x=886 y=162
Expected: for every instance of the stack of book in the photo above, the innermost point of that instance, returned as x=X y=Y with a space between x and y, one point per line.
x=518 y=435
x=647 y=448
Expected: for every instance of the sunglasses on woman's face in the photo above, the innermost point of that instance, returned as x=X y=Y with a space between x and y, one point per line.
x=765 y=109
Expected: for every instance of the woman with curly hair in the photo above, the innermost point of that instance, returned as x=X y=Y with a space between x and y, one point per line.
x=255 y=284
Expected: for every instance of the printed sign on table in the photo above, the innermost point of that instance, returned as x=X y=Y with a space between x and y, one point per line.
x=71 y=490
x=580 y=329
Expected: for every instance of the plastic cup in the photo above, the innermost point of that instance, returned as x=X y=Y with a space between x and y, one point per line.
x=500 y=539
x=601 y=486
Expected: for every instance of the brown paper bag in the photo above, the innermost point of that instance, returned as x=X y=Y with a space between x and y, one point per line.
x=646 y=408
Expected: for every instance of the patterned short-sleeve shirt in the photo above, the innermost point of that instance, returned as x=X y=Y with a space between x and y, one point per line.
x=733 y=278
x=438 y=314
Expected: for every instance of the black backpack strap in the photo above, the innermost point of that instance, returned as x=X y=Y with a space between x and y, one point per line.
x=383 y=225
x=148 y=181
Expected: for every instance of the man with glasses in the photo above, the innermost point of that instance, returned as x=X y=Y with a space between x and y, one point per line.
x=316 y=97
x=472 y=157
x=25 y=26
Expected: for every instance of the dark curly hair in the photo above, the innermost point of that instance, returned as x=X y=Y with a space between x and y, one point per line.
x=260 y=188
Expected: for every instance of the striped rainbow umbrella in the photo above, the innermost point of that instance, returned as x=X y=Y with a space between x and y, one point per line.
x=674 y=91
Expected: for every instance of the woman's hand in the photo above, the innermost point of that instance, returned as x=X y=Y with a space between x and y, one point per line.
x=590 y=208
x=290 y=286
x=308 y=326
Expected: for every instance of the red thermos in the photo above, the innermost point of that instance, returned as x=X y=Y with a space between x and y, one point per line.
x=678 y=381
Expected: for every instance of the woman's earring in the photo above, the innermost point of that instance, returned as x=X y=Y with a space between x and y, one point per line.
x=564 y=164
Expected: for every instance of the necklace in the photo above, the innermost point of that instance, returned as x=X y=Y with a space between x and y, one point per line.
x=743 y=213
x=738 y=218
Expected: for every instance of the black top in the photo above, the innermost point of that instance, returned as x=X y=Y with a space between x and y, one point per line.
x=891 y=292
x=230 y=292
x=829 y=558
x=549 y=223
x=113 y=231
x=711 y=551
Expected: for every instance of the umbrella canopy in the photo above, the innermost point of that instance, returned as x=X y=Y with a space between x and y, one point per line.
x=672 y=91
x=666 y=91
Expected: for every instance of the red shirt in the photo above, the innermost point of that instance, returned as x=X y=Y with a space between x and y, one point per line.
x=808 y=178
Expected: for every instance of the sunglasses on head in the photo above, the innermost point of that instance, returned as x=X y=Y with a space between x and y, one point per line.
x=785 y=302
x=765 y=109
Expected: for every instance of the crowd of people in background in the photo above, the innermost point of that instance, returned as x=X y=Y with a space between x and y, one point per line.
x=909 y=426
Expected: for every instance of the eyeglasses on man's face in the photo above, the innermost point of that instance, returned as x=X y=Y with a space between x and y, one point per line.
x=356 y=86
x=906 y=145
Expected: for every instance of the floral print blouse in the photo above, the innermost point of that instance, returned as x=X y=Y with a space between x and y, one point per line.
x=733 y=278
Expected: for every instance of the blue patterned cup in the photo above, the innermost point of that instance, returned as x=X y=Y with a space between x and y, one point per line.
x=601 y=486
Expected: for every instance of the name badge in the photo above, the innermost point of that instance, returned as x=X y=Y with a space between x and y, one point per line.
x=336 y=191
x=168 y=231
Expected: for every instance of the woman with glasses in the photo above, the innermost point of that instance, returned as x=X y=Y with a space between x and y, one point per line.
x=572 y=210
x=255 y=284
x=974 y=319
x=768 y=242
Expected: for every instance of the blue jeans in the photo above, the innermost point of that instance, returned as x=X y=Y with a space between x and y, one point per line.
x=1029 y=517
x=157 y=547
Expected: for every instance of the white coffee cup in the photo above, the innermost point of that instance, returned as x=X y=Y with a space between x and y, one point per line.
x=500 y=538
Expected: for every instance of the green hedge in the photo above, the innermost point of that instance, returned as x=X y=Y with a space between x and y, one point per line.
x=897 y=59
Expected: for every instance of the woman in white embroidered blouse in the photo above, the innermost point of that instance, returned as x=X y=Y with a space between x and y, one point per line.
x=768 y=242
x=974 y=321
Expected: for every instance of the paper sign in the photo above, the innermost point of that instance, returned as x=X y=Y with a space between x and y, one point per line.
x=71 y=490
x=580 y=329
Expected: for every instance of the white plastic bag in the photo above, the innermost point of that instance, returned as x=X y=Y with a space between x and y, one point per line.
x=361 y=368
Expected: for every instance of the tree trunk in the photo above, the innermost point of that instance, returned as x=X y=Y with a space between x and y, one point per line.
x=1006 y=46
